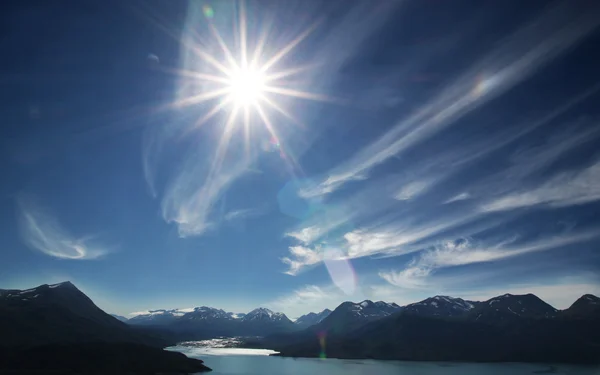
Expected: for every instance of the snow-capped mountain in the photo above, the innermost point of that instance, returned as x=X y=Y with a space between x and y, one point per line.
x=442 y=306
x=311 y=318
x=350 y=315
x=509 y=307
x=206 y=322
x=369 y=309
x=206 y=313
x=263 y=314
x=158 y=317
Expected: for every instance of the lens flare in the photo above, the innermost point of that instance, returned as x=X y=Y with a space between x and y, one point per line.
x=322 y=341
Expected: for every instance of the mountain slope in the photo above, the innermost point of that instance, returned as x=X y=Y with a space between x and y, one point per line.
x=59 y=313
x=509 y=307
x=120 y=318
x=441 y=306
x=587 y=305
x=350 y=315
x=312 y=318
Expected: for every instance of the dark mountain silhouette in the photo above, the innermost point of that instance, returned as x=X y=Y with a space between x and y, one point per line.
x=509 y=307
x=493 y=330
x=312 y=318
x=119 y=317
x=586 y=306
x=350 y=315
x=58 y=328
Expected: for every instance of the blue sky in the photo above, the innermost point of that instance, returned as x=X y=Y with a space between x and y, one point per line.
x=401 y=150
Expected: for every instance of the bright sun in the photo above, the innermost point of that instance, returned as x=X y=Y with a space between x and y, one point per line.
x=246 y=87
x=244 y=83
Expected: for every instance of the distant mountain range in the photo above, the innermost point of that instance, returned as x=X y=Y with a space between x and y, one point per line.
x=504 y=328
x=207 y=322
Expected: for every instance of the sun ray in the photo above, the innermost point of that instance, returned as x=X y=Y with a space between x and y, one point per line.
x=291 y=162
x=286 y=73
x=196 y=99
x=224 y=141
x=281 y=54
x=226 y=51
x=297 y=93
x=260 y=45
x=285 y=113
x=212 y=112
x=211 y=60
x=246 y=131
x=243 y=43
x=196 y=75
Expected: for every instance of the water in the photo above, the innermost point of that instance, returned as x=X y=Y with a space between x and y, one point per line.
x=234 y=361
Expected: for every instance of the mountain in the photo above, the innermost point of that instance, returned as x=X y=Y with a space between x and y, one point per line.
x=58 y=329
x=59 y=313
x=157 y=317
x=490 y=331
x=440 y=306
x=350 y=315
x=208 y=322
x=119 y=317
x=262 y=321
x=509 y=307
x=312 y=318
x=586 y=306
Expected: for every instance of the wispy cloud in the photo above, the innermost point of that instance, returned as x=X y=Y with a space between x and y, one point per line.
x=412 y=189
x=458 y=197
x=564 y=189
x=42 y=231
x=305 y=235
x=189 y=199
x=520 y=56
x=400 y=238
x=243 y=213
x=464 y=251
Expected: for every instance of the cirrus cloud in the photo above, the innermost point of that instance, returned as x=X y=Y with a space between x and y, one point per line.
x=42 y=231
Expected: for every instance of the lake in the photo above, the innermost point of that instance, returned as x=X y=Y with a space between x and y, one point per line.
x=234 y=361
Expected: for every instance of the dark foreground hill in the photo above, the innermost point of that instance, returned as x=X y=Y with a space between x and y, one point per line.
x=97 y=358
x=58 y=329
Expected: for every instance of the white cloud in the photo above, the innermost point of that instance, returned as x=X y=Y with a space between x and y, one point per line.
x=305 y=235
x=42 y=231
x=463 y=252
x=412 y=190
x=564 y=189
x=189 y=199
x=521 y=55
x=243 y=213
x=459 y=197
x=397 y=239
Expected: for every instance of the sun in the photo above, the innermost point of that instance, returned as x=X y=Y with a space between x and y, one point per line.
x=245 y=83
x=246 y=86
